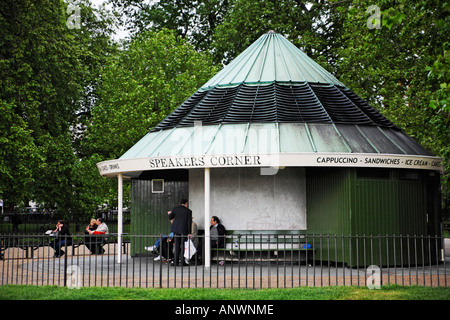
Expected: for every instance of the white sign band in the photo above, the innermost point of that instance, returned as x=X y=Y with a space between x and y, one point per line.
x=113 y=167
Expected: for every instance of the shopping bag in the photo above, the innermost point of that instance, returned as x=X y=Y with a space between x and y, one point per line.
x=189 y=249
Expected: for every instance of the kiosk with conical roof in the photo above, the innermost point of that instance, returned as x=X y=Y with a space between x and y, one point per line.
x=274 y=143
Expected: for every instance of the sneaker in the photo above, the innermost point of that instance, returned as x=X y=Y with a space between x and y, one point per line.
x=58 y=255
x=150 y=248
x=157 y=258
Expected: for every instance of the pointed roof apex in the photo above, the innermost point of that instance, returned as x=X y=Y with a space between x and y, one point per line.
x=275 y=103
x=271 y=58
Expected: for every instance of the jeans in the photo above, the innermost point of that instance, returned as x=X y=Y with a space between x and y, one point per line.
x=57 y=245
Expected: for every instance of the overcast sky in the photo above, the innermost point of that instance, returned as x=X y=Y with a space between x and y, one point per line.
x=120 y=34
x=97 y=2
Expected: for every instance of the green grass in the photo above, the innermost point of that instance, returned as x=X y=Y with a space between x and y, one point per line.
x=387 y=292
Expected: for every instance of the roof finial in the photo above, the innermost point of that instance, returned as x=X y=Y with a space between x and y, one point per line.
x=271 y=31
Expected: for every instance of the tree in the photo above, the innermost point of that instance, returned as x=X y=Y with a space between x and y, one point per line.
x=38 y=86
x=18 y=156
x=141 y=86
x=69 y=98
x=48 y=73
x=401 y=67
x=314 y=27
x=194 y=21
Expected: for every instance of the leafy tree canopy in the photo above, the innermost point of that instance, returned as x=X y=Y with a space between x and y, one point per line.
x=48 y=74
x=70 y=98
x=141 y=86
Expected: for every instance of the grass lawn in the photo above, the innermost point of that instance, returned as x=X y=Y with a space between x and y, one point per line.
x=387 y=292
x=112 y=303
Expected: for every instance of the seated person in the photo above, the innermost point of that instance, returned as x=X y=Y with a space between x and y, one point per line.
x=194 y=237
x=166 y=249
x=217 y=237
x=95 y=244
x=217 y=233
x=91 y=227
x=156 y=247
x=60 y=240
x=167 y=252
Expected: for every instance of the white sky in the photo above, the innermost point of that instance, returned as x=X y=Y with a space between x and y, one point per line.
x=97 y=3
x=120 y=34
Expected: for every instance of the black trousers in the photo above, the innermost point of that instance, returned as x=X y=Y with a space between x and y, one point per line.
x=179 y=240
x=95 y=245
x=166 y=248
x=57 y=245
x=214 y=244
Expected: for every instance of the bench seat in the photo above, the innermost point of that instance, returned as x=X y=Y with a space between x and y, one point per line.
x=29 y=244
x=264 y=245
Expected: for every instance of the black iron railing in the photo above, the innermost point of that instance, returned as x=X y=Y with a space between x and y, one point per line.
x=243 y=261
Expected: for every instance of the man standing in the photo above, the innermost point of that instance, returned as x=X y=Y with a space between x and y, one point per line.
x=181 y=228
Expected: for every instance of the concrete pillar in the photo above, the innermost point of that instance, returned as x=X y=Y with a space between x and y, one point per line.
x=207 y=258
x=119 y=217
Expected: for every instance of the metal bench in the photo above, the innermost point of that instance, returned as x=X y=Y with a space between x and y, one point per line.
x=264 y=246
x=26 y=243
x=31 y=243
x=102 y=240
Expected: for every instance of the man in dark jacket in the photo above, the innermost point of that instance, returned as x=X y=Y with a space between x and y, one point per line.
x=217 y=233
x=181 y=228
x=217 y=238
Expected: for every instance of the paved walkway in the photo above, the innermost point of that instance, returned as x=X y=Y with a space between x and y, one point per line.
x=104 y=270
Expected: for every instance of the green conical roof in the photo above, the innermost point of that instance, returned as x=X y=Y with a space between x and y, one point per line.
x=275 y=105
x=272 y=58
x=272 y=81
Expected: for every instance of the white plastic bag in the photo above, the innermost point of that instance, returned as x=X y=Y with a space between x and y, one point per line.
x=189 y=249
